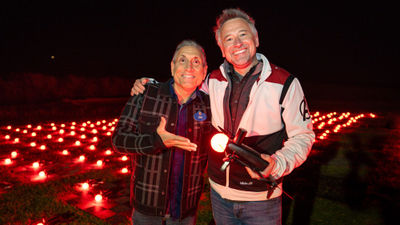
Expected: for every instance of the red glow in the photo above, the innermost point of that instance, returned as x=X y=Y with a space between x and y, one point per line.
x=77 y=143
x=7 y=137
x=35 y=165
x=85 y=186
x=42 y=174
x=219 y=142
x=92 y=147
x=124 y=158
x=60 y=139
x=124 y=170
x=49 y=136
x=65 y=152
x=99 y=163
x=33 y=144
x=98 y=198
x=108 y=152
x=7 y=161
x=81 y=158
x=14 y=154
x=16 y=140
x=43 y=147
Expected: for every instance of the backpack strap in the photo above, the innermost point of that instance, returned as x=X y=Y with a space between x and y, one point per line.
x=285 y=88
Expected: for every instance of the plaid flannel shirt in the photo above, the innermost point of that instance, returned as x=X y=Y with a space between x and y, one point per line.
x=135 y=134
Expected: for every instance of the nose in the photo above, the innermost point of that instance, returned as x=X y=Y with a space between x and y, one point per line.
x=237 y=42
x=189 y=66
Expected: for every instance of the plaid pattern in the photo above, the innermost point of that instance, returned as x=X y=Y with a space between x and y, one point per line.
x=135 y=134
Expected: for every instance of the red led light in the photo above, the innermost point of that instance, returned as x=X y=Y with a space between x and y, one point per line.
x=98 y=198
x=219 y=142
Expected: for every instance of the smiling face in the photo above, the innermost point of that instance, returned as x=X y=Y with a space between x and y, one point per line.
x=238 y=44
x=188 y=70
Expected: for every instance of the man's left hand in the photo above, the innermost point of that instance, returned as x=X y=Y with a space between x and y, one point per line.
x=267 y=170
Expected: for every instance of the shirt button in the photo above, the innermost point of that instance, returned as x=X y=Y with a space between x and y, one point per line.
x=172 y=124
x=165 y=171
x=236 y=101
x=148 y=123
x=162 y=193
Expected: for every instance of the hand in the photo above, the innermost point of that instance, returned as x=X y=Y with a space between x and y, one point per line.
x=138 y=86
x=172 y=140
x=267 y=171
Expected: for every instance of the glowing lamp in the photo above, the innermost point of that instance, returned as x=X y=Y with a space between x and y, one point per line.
x=25 y=131
x=42 y=174
x=104 y=127
x=54 y=128
x=103 y=121
x=124 y=158
x=65 y=152
x=82 y=129
x=9 y=127
x=99 y=163
x=62 y=125
x=92 y=147
x=108 y=133
x=85 y=186
x=39 y=127
x=124 y=170
x=52 y=124
x=83 y=136
x=98 y=198
x=73 y=123
x=72 y=127
x=95 y=139
x=14 y=154
x=7 y=137
x=33 y=144
x=17 y=130
x=81 y=158
x=43 y=147
x=72 y=133
x=98 y=123
x=94 y=131
x=61 y=131
x=219 y=142
x=77 y=143
x=84 y=124
x=49 y=136
x=108 y=152
x=60 y=139
x=7 y=161
x=35 y=165
x=33 y=134
x=16 y=140
x=29 y=126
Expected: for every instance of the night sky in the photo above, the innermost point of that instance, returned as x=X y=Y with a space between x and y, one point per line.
x=329 y=42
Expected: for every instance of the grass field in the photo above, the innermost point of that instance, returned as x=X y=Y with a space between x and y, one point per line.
x=350 y=177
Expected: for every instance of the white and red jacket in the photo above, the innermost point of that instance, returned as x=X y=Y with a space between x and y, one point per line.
x=266 y=132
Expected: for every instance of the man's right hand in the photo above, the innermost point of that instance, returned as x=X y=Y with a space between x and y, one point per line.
x=138 y=86
x=172 y=140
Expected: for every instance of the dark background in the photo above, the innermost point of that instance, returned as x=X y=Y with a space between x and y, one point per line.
x=339 y=50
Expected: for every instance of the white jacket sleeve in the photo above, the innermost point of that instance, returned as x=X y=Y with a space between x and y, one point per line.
x=299 y=129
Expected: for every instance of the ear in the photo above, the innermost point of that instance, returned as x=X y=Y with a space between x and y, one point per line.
x=221 y=48
x=256 y=40
x=172 y=68
x=205 y=72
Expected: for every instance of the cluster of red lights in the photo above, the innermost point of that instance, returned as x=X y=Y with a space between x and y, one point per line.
x=82 y=145
x=333 y=122
x=28 y=149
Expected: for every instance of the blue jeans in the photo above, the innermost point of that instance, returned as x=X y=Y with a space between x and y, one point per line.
x=141 y=219
x=226 y=212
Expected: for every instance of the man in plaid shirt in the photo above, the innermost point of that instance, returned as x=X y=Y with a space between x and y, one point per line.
x=165 y=130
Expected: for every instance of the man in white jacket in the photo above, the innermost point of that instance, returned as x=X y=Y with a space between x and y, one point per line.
x=245 y=92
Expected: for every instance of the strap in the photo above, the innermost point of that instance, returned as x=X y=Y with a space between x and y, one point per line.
x=285 y=88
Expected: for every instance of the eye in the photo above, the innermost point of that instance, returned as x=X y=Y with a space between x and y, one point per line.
x=196 y=62
x=182 y=60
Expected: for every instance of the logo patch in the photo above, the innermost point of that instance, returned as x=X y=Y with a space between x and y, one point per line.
x=200 y=116
x=304 y=110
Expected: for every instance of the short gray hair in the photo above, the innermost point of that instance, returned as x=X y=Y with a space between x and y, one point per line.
x=228 y=14
x=192 y=43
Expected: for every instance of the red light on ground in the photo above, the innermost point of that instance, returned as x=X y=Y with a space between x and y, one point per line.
x=99 y=163
x=85 y=186
x=124 y=158
x=82 y=129
x=14 y=154
x=54 y=128
x=219 y=142
x=35 y=165
x=29 y=126
x=72 y=133
x=92 y=147
x=7 y=161
x=33 y=144
x=39 y=127
x=124 y=170
x=108 y=152
x=98 y=198
x=62 y=125
x=17 y=130
x=9 y=127
x=42 y=174
x=7 y=137
x=83 y=136
x=49 y=136
x=108 y=133
x=77 y=143
x=95 y=139
x=43 y=147
x=33 y=134
x=60 y=139
x=81 y=158
x=94 y=131
x=61 y=131
x=16 y=140
x=65 y=152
